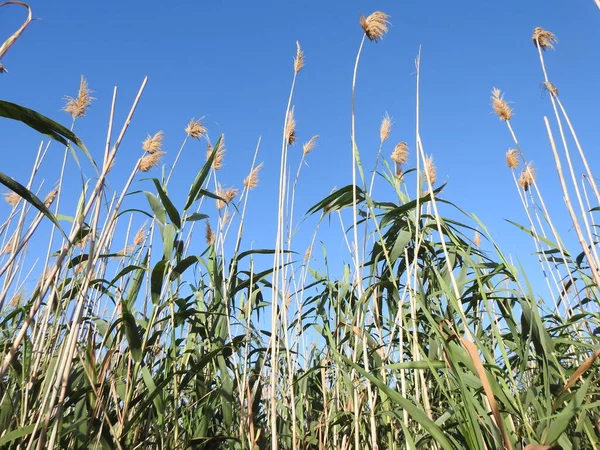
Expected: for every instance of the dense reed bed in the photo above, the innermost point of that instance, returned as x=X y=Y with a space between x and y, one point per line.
x=135 y=336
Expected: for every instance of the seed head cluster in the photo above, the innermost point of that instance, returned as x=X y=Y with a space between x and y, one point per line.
x=310 y=145
x=543 y=39
x=375 y=25
x=195 y=129
x=299 y=59
x=386 y=128
x=251 y=181
x=77 y=107
x=512 y=158
x=290 y=127
x=527 y=177
x=500 y=106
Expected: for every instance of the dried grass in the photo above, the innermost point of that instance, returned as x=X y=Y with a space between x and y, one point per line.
x=78 y=106
x=375 y=25
x=543 y=38
x=500 y=106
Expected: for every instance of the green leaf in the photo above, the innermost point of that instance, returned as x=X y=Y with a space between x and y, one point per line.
x=158 y=401
x=157 y=207
x=16 y=434
x=170 y=208
x=342 y=198
x=132 y=334
x=195 y=217
x=183 y=265
x=196 y=189
x=30 y=198
x=156 y=282
x=44 y=125
x=561 y=422
x=417 y=414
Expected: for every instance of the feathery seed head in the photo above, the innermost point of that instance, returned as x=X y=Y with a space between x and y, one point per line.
x=308 y=253
x=126 y=251
x=77 y=107
x=310 y=145
x=549 y=87
x=195 y=129
x=512 y=158
x=290 y=127
x=477 y=239
x=217 y=162
x=138 y=239
x=430 y=172
x=227 y=195
x=210 y=236
x=299 y=59
x=385 y=128
x=400 y=153
x=543 y=39
x=10 y=245
x=50 y=197
x=500 y=106
x=527 y=177
x=251 y=181
x=16 y=300
x=375 y=25
x=230 y=194
x=226 y=218
x=12 y=198
x=153 y=144
x=148 y=162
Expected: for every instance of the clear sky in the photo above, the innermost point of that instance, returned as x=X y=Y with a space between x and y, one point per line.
x=232 y=62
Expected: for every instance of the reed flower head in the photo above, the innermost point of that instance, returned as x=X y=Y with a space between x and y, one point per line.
x=153 y=144
x=430 y=171
x=226 y=196
x=77 y=107
x=386 y=128
x=512 y=158
x=150 y=161
x=217 y=162
x=308 y=253
x=139 y=237
x=195 y=129
x=549 y=87
x=50 y=197
x=375 y=25
x=16 y=300
x=210 y=236
x=251 y=181
x=477 y=239
x=500 y=106
x=543 y=39
x=299 y=59
x=127 y=250
x=12 y=198
x=290 y=127
x=10 y=245
x=310 y=145
x=527 y=177
x=400 y=153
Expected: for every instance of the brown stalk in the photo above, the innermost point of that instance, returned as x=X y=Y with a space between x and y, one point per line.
x=487 y=387
x=583 y=368
x=13 y=38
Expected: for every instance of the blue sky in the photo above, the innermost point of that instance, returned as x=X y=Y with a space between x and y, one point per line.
x=232 y=62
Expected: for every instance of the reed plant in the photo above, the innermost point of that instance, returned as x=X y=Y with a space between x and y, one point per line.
x=149 y=325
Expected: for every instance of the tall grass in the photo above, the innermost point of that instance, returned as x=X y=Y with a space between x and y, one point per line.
x=136 y=337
